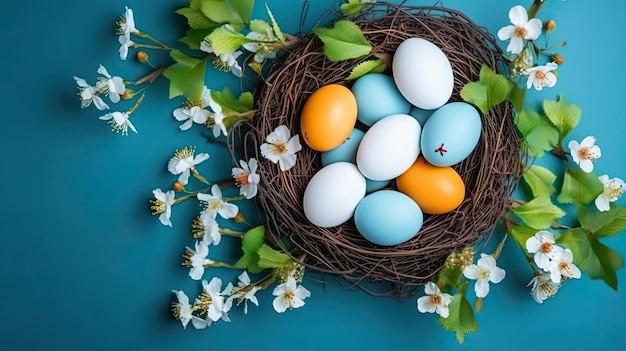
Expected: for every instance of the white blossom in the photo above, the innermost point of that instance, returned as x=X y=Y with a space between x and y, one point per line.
x=194 y=112
x=289 y=295
x=114 y=86
x=613 y=189
x=215 y=204
x=226 y=61
x=184 y=162
x=162 y=205
x=563 y=267
x=119 y=122
x=219 y=307
x=246 y=178
x=244 y=291
x=585 y=153
x=434 y=301
x=541 y=76
x=89 y=94
x=197 y=259
x=543 y=245
x=183 y=311
x=521 y=29
x=281 y=147
x=484 y=271
x=543 y=287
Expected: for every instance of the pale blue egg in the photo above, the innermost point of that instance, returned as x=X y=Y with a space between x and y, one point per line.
x=346 y=151
x=420 y=114
x=377 y=97
x=451 y=134
x=388 y=217
x=374 y=185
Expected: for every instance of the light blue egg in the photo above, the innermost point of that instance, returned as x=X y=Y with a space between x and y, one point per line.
x=346 y=151
x=388 y=217
x=451 y=134
x=377 y=97
x=374 y=185
x=420 y=114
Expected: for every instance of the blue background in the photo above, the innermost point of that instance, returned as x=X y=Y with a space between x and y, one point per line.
x=85 y=266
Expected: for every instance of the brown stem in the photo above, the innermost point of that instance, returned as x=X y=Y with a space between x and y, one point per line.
x=151 y=76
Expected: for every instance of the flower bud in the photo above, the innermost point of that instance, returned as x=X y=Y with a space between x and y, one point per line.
x=178 y=186
x=142 y=56
x=558 y=59
x=256 y=67
x=550 y=25
x=128 y=94
x=239 y=218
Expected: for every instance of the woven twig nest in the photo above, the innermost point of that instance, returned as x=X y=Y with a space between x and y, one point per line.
x=490 y=173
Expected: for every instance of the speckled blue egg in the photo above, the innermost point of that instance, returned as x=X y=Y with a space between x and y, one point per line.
x=346 y=151
x=388 y=217
x=377 y=97
x=450 y=134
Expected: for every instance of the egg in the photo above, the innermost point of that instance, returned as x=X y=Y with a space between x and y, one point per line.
x=420 y=115
x=451 y=134
x=328 y=116
x=389 y=147
x=436 y=190
x=423 y=73
x=346 y=151
x=388 y=217
x=377 y=96
x=332 y=194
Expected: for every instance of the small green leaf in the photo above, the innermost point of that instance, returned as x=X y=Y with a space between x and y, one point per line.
x=270 y=258
x=251 y=242
x=521 y=233
x=242 y=8
x=540 y=180
x=186 y=76
x=461 y=319
x=277 y=31
x=601 y=224
x=229 y=103
x=451 y=276
x=344 y=41
x=226 y=41
x=517 y=94
x=579 y=188
x=490 y=90
x=564 y=116
x=234 y=12
x=193 y=37
x=539 y=213
x=353 y=6
x=365 y=67
x=591 y=256
x=195 y=18
x=538 y=133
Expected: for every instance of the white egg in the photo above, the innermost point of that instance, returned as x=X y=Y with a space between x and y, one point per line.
x=389 y=147
x=332 y=194
x=422 y=73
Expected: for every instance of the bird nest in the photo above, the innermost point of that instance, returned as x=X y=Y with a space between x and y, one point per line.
x=490 y=173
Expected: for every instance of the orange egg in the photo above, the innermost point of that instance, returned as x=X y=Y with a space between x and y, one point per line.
x=328 y=117
x=436 y=190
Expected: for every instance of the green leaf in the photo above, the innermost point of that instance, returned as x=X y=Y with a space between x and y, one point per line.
x=539 y=213
x=591 y=256
x=451 y=276
x=226 y=41
x=195 y=17
x=461 y=319
x=538 y=133
x=365 y=67
x=252 y=241
x=270 y=258
x=277 y=32
x=579 y=187
x=521 y=233
x=227 y=11
x=540 y=180
x=229 y=103
x=517 y=94
x=186 y=76
x=193 y=37
x=490 y=90
x=353 y=6
x=564 y=116
x=259 y=26
x=605 y=223
x=344 y=41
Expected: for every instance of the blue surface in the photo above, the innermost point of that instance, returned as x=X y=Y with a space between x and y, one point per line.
x=86 y=267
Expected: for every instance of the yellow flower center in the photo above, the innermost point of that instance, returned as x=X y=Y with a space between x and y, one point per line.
x=157 y=207
x=540 y=75
x=187 y=151
x=546 y=248
x=289 y=296
x=520 y=32
x=585 y=153
x=614 y=190
x=435 y=300
x=242 y=179
x=547 y=289
x=483 y=273
x=279 y=147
